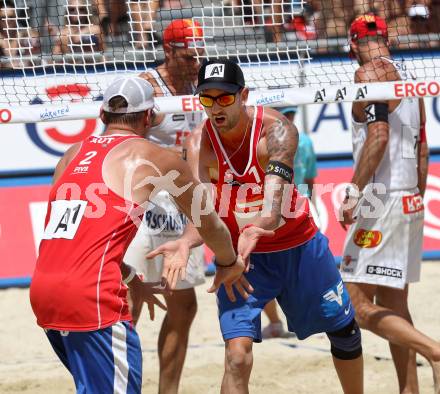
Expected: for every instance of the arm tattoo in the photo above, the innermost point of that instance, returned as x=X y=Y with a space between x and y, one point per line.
x=282 y=140
x=185 y=154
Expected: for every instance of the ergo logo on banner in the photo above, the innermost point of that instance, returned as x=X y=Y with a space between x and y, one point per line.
x=411 y=89
x=42 y=134
x=5 y=115
x=190 y=104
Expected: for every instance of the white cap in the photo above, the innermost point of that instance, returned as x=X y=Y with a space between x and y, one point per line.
x=418 y=10
x=135 y=90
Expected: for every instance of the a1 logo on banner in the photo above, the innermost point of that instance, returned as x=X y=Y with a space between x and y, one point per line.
x=56 y=137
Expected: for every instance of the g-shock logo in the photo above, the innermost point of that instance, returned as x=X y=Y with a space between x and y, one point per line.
x=384 y=271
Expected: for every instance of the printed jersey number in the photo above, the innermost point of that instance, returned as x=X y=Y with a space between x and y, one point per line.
x=410 y=139
x=88 y=159
x=65 y=218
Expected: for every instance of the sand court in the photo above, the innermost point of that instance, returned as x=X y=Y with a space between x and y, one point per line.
x=29 y=365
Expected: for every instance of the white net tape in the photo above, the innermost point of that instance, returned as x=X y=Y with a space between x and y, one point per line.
x=58 y=52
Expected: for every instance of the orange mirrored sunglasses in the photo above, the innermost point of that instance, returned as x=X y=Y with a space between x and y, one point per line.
x=224 y=100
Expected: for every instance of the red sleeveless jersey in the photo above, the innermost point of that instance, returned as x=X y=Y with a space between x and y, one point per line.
x=77 y=283
x=239 y=197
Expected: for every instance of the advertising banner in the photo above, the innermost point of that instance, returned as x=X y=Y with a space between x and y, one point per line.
x=36 y=147
x=47 y=101
x=23 y=206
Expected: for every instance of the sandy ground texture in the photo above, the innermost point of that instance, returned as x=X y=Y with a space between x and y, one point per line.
x=28 y=364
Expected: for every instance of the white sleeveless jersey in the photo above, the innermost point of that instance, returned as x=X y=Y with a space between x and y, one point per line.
x=398 y=168
x=174 y=127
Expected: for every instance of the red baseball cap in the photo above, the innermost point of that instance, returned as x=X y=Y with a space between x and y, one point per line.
x=183 y=33
x=368 y=25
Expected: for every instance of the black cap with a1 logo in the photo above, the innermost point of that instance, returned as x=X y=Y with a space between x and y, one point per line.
x=222 y=74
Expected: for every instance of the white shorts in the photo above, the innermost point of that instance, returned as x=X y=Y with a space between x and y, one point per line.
x=387 y=250
x=161 y=223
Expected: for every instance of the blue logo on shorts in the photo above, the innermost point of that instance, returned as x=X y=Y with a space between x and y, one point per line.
x=334 y=299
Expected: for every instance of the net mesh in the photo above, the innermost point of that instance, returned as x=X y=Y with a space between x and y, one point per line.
x=280 y=43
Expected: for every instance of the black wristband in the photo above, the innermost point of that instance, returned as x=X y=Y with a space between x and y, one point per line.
x=280 y=169
x=376 y=112
x=224 y=266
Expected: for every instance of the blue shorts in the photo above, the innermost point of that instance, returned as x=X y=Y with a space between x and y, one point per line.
x=102 y=361
x=307 y=285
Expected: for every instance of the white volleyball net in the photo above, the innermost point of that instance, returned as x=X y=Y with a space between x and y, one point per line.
x=57 y=56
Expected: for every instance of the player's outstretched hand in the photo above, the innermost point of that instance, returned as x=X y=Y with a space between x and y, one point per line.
x=141 y=292
x=248 y=240
x=232 y=277
x=347 y=217
x=175 y=258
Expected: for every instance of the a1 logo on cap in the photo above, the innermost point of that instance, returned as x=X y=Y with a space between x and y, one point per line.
x=216 y=70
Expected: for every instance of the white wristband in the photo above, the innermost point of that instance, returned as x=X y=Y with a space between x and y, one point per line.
x=130 y=276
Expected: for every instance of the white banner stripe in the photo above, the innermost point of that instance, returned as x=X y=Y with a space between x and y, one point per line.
x=278 y=97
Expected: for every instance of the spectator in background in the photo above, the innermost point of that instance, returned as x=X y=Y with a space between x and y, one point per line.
x=111 y=14
x=419 y=17
x=17 y=43
x=414 y=20
x=434 y=18
x=143 y=14
x=103 y=15
x=274 y=23
x=304 y=177
x=404 y=17
x=9 y=39
x=417 y=3
x=251 y=10
x=47 y=16
x=302 y=23
x=386 y=9
x=81 y=32
x=331 y=17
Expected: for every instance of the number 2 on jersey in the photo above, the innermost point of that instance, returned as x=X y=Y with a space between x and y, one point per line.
x=88 y=159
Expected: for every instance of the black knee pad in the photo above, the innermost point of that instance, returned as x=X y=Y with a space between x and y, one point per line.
x=346 y=342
